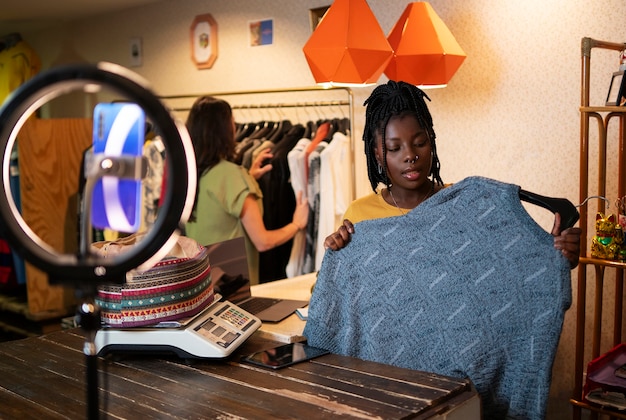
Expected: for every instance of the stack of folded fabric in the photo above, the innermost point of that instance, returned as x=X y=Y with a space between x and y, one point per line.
x=605 y=383
x=177 y=287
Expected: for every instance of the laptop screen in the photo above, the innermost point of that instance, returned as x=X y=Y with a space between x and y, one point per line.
x=229 y=269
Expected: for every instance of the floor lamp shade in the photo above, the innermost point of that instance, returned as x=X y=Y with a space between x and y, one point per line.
x=348 y=46
x=424 y=50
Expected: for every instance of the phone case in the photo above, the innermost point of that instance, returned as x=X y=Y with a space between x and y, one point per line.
x=118 y=130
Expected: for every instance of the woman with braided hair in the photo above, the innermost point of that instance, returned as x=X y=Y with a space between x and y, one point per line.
x=401 y=154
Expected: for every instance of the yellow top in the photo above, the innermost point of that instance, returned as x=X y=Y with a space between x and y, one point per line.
x=371 y=206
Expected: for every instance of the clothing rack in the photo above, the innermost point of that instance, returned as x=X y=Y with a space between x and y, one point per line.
x=328 y=97
x=279 y=105
x=283 y=261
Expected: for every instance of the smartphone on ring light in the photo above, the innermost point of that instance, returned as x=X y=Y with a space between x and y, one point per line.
x=118 y=130
x=285 y=355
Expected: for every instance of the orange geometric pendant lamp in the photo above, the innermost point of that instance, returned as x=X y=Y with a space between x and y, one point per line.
x=348 y=47
x=425 y=52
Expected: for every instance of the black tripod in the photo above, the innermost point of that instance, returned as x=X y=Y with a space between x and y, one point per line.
x=88 y=317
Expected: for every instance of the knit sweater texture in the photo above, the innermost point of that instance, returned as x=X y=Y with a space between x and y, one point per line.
x=467 y=284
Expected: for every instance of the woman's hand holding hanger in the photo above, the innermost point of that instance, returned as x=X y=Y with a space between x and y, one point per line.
x=258 y=169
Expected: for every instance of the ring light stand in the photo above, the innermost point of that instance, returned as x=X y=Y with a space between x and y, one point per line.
x=85 y=271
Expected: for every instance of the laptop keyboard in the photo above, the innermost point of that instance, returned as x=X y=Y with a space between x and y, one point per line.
x=257 y=304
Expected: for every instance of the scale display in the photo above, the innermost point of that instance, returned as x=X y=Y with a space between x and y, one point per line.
x=214 y=333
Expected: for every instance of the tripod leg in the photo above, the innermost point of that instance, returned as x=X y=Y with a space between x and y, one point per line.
x=89 y=320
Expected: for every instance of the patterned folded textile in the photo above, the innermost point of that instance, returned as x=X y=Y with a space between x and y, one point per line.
x=177 y=287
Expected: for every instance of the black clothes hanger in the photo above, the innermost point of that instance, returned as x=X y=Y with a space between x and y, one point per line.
x=334 y=126
x=263 y=129
x=283 y=127
x=310 y=128
x=344 y=125
x=276 y=131
x=246 y=131
x=567 y=210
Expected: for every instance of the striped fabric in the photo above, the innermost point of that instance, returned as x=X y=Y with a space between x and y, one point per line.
x=179 y=286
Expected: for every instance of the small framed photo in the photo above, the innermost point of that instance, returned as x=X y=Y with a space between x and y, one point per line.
x=617 y=90
x=203 y=37
x=261 y=32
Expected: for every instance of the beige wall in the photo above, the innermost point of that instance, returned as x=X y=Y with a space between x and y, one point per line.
x=510 y=113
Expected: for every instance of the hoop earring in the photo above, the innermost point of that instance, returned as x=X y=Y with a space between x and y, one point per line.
x=380 y=169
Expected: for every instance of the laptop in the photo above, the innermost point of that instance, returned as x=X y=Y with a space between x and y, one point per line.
x=231 y=279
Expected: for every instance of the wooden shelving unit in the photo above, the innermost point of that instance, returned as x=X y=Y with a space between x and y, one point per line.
x=591 y=327
x=50 y=154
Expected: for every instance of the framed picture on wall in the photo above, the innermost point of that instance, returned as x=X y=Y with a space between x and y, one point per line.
x=203 y=37
x=261 y=32
x=617 y=90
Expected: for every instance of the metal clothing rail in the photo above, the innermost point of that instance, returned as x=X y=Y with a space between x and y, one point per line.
x=280 y=105
x=313 y=90
x=266 y=91
x=347 y=102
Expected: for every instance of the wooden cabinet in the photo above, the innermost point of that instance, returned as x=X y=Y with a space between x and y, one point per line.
x=50 y=154
x=600 y=285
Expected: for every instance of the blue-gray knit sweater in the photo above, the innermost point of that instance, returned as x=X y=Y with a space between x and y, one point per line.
x=467 y=285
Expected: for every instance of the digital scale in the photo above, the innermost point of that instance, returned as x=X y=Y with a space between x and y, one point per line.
x=214 y=333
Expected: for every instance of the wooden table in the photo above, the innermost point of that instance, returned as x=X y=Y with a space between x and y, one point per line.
x=44 y=377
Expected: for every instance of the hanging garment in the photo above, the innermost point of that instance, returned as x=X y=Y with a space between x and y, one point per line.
x=335 y=177
x=18 y=63
x=7 y=272
x=279 y=203
x=18 y=264
x=265 y=144
x=467 y=284
x=295 y=159
x=154 y=152
x=87 y=162
x=246 y=157
x=313 y=195
x=320 y=134
x=241 y=148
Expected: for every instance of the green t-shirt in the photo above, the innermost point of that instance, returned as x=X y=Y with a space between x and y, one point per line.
x=221 y=194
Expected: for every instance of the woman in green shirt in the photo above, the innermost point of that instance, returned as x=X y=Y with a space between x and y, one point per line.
x=229 y=202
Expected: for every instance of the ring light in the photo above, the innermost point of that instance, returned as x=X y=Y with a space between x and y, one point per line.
x=90 y=269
